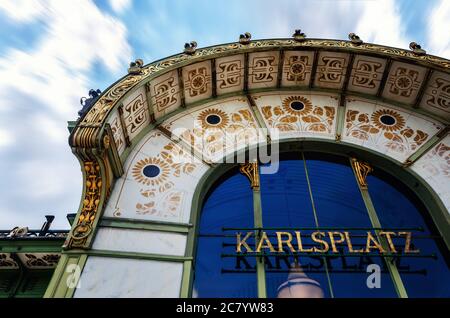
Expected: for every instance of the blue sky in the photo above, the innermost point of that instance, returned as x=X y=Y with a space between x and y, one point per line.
x=52 y=52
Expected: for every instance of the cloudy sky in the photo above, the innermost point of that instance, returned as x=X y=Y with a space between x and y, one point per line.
x=53 y=52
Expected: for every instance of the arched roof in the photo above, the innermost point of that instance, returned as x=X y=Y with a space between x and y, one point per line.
x=345 y=67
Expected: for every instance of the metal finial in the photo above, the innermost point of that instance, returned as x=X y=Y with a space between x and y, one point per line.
x=245 y=38
x=88 y=102
x=136 y=67
x=190 y=48
x=416 y=48
x=355 y=39
x=299 y=35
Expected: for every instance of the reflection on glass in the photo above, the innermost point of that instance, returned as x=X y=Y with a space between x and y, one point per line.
x=228 y=205
x=397 y=206
x=299 y=285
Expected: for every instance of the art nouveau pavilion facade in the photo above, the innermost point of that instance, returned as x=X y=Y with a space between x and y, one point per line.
x=139 y=214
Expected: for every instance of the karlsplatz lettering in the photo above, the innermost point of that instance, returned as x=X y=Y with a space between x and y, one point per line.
x=203 y=309
x=381 y=242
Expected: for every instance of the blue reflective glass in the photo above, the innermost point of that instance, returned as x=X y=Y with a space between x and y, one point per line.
x=286 y=202
x=228 y=205
x=397 y=206
x=339 y=203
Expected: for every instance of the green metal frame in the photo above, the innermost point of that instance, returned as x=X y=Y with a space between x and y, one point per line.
x=437 y=210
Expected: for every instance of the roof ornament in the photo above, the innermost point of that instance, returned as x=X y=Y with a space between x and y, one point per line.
x=88 y=102
x=355 y=39
x=190 y=48
x=299 y=35
x=18 y=232
x=136 y=67
x=245 y=38
x=417 y=49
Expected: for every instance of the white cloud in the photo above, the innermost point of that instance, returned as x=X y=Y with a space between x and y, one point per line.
x=380 y=22
x=119 y=5
x=6 y=138
x=22 y=10
x=438 y=30
x=40 y=90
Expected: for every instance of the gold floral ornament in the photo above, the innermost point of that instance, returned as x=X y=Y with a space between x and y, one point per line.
x=391 y=125
x=213 y=118
x=388 y=120
x=297 y=113
x=297 y=105
x=151 y=171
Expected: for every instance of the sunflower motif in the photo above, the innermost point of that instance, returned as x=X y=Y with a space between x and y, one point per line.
x=388 y=120
x=297 y=105
x=159 y=171
x=213 y=118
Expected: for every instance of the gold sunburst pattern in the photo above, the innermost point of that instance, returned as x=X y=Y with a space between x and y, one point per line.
x=289 y=102
x=399 y=121
x=302 y=117
x=395 y=135
x=160 y=178
x=204 y=116
x=159 y=197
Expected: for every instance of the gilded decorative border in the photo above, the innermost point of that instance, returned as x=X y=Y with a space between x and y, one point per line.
x=99 y=111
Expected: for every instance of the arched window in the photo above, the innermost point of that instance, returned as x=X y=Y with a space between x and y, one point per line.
x=316 y=192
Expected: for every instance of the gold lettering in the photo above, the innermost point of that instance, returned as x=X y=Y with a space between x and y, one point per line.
x=350 y=245
x=325 y=248
x=287 y=242
x=376 y=245
x=408 y=242
x=240 y=243
x=267 y=244
x=333 y=241
x=300 y=245
x=389 y=239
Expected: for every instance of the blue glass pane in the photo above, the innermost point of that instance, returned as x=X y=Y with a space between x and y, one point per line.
x=396 y=206
x=230 y=204
x=286 y=203
x=339 y=203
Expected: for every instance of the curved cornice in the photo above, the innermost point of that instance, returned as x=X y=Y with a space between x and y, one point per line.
x=86 y=132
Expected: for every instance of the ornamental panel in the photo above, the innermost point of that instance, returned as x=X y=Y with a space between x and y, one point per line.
x=331 y=70
x=437 y=96
x=165 y=93
x=389 y=130
x=299 y=114
x=197 y=81
x=297 y=68
x=263 y=69
x=403 y=82
x=157 y=184
x=135 y=112
x=230 y=74
x=366 y=74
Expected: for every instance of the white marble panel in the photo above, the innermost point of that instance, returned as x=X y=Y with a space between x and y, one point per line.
x=158 y=183
x=234 y=129
x=401 y=134
x=298 y=114
x=140 y=241
x=108 y=277
x=434 y=168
